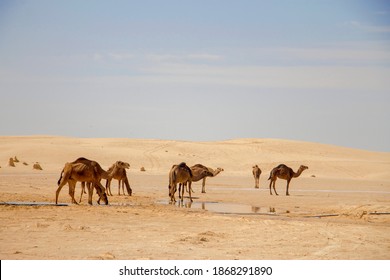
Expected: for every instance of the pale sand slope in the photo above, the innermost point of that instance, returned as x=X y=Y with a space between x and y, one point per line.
x=340 y=181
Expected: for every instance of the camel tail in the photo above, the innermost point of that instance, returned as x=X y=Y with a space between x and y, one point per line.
x=59 y=180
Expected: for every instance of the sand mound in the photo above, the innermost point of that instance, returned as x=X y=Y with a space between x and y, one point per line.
x=11 y=162
x=37 y=166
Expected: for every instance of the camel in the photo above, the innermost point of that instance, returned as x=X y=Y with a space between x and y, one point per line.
x=200 y=172
x=179 y=174
x=81 y=172
x=120 y=175
x=112 y=173
x=88 y=171
x=284 y=172
x=256 y=171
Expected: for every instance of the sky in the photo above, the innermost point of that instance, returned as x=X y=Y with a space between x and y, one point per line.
x=316 y=71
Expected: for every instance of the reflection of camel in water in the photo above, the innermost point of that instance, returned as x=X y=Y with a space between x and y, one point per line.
x=201 y=172
x=179 y=174
x=82 y=172
x=256 y=171
x=119 y=173
x=284 y=172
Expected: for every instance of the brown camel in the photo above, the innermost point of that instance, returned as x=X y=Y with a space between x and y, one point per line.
x=256 y=171
x=284 y=172
x=179 y=174
x=200 y=172
x=81 y=172
x=112 y=172
x=119 y=174
x=88 y=171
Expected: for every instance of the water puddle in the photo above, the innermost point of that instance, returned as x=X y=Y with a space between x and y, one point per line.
x=32 y=203
x=223 y=207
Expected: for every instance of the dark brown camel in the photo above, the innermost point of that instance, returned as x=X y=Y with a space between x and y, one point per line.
x=284 y=172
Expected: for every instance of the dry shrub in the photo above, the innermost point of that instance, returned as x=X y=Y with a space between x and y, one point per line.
x=143 y=169
x=16 y=159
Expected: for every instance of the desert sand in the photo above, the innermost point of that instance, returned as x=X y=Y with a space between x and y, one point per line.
x=338 y=208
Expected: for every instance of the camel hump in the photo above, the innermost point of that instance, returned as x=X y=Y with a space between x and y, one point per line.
x=199 y=165
x=185 y=166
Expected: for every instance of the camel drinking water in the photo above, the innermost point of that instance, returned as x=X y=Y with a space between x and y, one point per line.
x=81 y=172
x=179 y=174
x=119 y=173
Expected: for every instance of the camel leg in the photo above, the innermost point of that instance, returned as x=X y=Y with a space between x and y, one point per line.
x=181 y=190
x=180 y=187
x=59 y=189
x=90 y=192
x=203 y=185
x=190 y=190
x=288 y=185
x=172 y=193
x=274 y=187
x=119 y=187
x=82 y=191
x=123 y=187
x=270 y=187
x=108 y=187
x=72 y=187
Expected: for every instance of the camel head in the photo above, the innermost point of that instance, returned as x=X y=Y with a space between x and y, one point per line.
x=171 y=191
x=122 y=164
x=303 y=167
x=207 y=173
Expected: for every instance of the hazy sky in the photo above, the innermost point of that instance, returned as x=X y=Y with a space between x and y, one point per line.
x=197 y=70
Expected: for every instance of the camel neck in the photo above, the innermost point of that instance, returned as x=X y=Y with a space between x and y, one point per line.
x=298 y=173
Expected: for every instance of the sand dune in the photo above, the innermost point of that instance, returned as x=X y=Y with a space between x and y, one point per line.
x=332 y=213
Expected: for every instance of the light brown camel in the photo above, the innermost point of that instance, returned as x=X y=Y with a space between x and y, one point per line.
x=88 y=171
x=200 y=172
x=256 y=171
x=119 y=174
x=284 y=172
x=179 y=174
x=81 y=172
x=112 y=172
